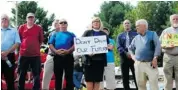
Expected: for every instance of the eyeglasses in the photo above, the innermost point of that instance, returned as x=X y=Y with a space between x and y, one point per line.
x=96 y=21
x=63 y=23
x=126 y=23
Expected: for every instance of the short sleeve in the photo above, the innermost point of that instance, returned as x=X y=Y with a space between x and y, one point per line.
x=161 y=36
x=73 y=36
x=52 y=39
x=112 y=42
x=20 y=31
x=17 y=38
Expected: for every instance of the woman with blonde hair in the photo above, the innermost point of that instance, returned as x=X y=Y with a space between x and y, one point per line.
x=94 y=66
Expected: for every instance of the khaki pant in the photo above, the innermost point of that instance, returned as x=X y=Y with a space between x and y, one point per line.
x=48 y=72
x=169 y=62
x=144 y=70
x=109 y=73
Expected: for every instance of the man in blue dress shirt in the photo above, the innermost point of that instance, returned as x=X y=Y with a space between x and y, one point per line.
x=123 y=41
x=10 y=40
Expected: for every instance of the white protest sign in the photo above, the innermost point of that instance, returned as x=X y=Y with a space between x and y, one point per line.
x=90 y=45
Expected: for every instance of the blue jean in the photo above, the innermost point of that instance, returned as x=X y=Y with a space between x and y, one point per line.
x=77 y=77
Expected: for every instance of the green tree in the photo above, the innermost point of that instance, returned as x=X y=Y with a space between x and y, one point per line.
x=25 y=7
x=175 y=7
x=112 y=13
x=117 y=30
x=154 y=12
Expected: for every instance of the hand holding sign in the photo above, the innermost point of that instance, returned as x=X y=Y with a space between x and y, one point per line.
x=91 y=55
x=169 y=41
x=110 y=47
x=90 y=45
x=168 y=47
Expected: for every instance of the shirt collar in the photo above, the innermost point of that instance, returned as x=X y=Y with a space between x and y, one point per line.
x=6 y=28
x=127 y=31
x=63 y=30
x=145 y=33
x=96 y=30
x=175 y=28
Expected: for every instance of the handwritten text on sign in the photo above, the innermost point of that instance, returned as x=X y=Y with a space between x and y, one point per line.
x=90 y=45
x=170 y=39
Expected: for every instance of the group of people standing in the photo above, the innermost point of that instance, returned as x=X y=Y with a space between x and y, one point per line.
x=29 y=37
x=138 y=52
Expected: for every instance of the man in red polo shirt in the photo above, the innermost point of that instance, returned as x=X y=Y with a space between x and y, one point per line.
x=31 y=36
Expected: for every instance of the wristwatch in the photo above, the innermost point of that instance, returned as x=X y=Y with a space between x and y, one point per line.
x=156 y=57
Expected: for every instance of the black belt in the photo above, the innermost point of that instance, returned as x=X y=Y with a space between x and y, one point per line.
x=51 y=54
x=144 y=61
x=173 y=54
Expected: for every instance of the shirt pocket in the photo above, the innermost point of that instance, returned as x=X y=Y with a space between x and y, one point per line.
x=10 y=38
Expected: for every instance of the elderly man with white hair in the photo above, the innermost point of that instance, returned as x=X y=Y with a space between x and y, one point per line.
x=48 y=65
x=10 y=40
x=145 y=49
x=170 y=59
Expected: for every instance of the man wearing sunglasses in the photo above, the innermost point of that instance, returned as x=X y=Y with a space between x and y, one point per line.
x=9 y=42
x=31 y=36
x=61 y=43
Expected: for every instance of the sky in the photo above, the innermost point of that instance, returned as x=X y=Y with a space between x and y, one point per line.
x=78 y=13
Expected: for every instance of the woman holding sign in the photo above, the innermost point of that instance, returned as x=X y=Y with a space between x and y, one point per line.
x=95 y=63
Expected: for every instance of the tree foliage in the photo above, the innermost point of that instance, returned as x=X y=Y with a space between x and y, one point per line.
x=25 y=7
x=112 y=13
x=157 y=13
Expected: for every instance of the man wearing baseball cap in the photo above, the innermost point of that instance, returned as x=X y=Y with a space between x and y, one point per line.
x=30 y=15
x=31 y=36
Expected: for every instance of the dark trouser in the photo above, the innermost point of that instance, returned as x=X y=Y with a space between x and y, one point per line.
x=8 y=71
x=35 y=64
x=63 y=63
x=125 y=66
